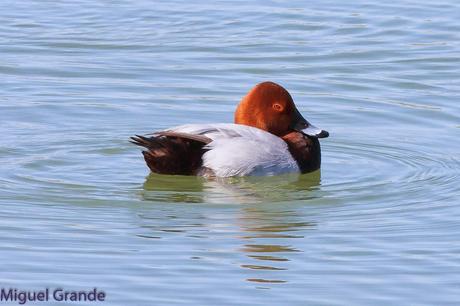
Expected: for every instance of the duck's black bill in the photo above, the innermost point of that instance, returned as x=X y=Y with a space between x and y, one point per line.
x=313 y=131
x=301 y=124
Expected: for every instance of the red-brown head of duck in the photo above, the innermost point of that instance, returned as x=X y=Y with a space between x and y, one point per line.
x=270 y=107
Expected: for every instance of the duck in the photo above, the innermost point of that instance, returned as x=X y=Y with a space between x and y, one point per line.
x=269 y=137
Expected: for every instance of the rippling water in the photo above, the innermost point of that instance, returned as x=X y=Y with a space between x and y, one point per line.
x=378 y=225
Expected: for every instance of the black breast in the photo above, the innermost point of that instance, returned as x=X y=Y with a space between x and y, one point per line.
x=306 y=151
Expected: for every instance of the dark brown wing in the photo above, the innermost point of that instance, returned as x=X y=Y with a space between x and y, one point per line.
x=173 y=153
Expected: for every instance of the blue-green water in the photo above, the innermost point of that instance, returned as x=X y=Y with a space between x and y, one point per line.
x=379 y=226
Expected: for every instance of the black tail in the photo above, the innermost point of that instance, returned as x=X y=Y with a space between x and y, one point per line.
x=173 y=153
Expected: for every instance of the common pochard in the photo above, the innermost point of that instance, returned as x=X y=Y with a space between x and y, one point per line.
x=269 y=137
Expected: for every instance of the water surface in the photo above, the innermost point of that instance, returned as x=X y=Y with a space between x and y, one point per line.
x=378 y=225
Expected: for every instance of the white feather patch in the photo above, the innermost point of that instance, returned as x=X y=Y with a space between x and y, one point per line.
x=240 y=150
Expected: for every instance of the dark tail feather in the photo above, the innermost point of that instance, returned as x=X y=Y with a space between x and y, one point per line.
x=146 y=142
x=172 y=153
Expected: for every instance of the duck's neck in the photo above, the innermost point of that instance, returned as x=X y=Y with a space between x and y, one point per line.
x=305 y=150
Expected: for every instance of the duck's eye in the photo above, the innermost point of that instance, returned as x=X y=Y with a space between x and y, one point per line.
x=278 y=107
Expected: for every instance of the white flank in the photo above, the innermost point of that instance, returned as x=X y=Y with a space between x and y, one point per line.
x=240 y=150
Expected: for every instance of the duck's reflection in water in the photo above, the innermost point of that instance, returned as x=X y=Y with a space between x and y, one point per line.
x=241 y=190
x=269 y=239
x=267 y=227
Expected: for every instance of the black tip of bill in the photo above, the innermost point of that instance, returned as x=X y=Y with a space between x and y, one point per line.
x=313 y=131
x=323 y=134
